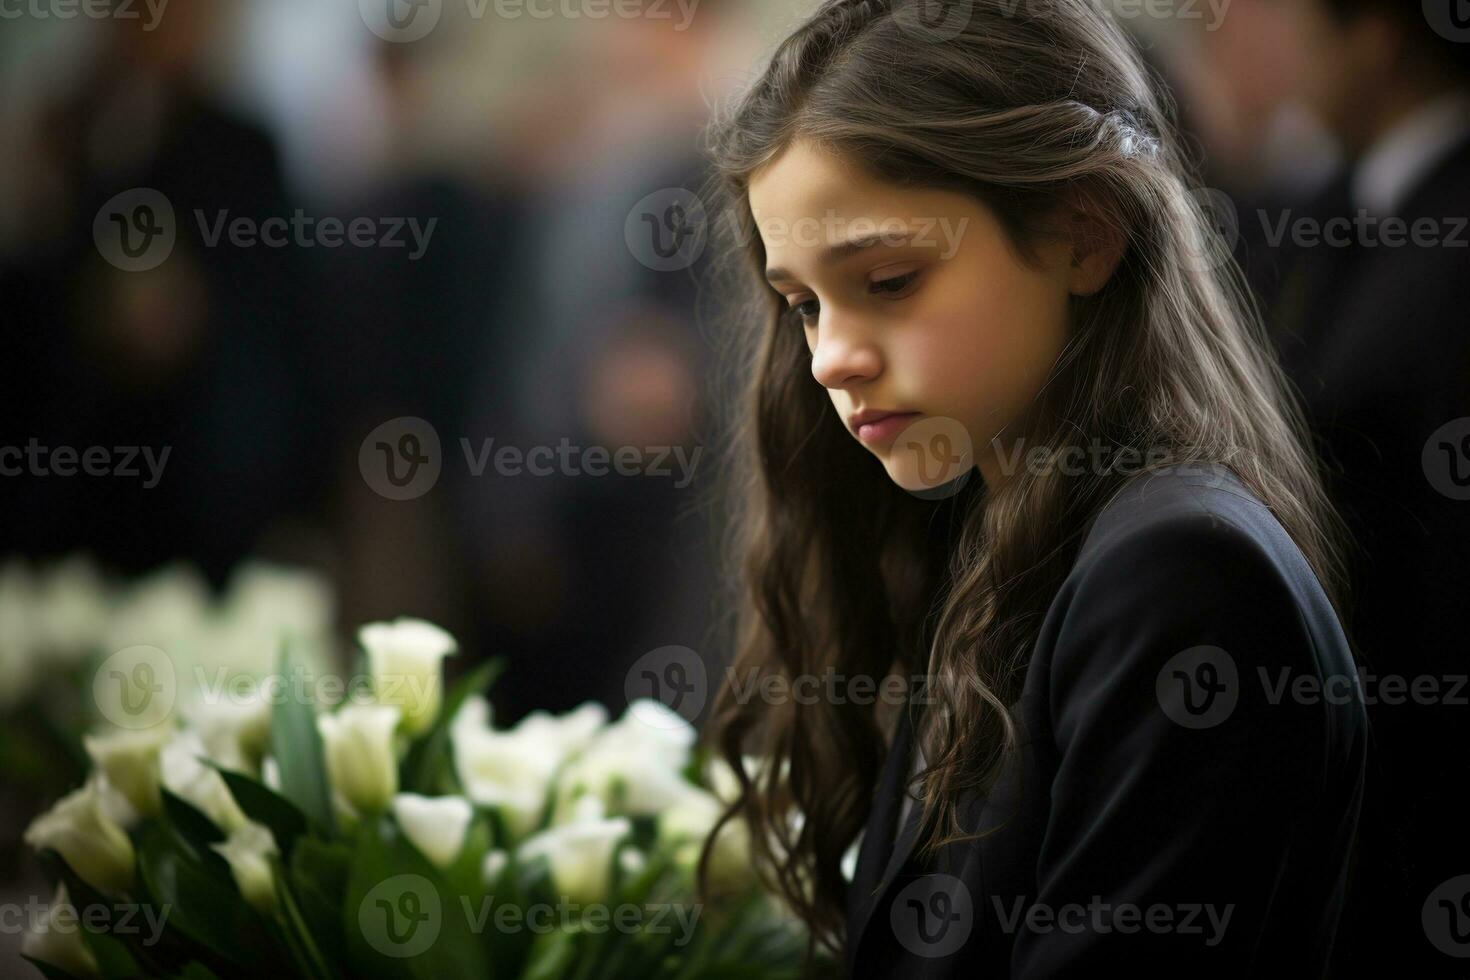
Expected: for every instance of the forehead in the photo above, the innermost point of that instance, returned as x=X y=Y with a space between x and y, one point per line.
x=808 y=197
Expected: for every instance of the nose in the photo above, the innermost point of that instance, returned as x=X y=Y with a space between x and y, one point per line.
x=845 y=353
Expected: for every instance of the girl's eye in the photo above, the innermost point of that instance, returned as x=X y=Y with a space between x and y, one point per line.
x=806 y=312
x=895 y=285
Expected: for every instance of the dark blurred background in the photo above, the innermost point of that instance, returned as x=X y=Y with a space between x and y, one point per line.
x=510 y=156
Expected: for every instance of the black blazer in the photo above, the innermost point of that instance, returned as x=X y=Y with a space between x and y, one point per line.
x=1184 y=754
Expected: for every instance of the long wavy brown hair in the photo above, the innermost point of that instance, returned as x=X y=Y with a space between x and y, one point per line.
x=842 y=574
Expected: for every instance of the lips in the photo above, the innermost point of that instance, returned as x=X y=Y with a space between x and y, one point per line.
x=869 y=415
x=876 y=425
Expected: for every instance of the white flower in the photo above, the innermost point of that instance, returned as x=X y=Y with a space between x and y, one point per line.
x=248 y=850
x=850 y=857
x=580 y=852
x=18 y=643
x=434 y=825
x=512 y=770
x=490 y=867
x=185 y=776
x=406 y=660
x=88 y=839
x=57 y=939
x=130 y=760
x=235 y=725
x=264 y=606
x=688 y=823
x=634 y=767
x=168 y=609
x=357 y=741
x=72 y=609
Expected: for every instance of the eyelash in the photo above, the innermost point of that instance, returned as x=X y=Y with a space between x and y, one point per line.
x=874 y=288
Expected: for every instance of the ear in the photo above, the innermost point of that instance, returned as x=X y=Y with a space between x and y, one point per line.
x=1097 y=244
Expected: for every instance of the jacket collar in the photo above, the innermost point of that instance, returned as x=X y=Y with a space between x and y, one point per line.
x=884 y=856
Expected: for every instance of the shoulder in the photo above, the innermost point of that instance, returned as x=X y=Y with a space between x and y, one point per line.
x=1186 y=574
x=1195 y=538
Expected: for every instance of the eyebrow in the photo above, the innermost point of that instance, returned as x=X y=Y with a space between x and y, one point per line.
x=833 y=254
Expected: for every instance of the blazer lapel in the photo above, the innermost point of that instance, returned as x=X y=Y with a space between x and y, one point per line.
x=886 y=853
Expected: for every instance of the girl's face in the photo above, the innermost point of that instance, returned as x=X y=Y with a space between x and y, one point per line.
x=934 y=315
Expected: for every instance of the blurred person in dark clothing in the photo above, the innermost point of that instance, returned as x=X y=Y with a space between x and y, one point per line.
x=193 y=356
x=1368 y=301
x=581 y=574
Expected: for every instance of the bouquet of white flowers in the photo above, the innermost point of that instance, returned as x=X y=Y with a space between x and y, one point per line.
x=303 y=825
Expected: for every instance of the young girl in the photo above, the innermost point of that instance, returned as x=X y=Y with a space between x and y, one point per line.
x=1012 y=438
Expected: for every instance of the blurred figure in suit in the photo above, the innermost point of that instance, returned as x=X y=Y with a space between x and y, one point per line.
x=1369 y=314
x=194 y=356
x=580 y=574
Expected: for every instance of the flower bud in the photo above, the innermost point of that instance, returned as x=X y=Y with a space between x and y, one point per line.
x=406 y=660
x=88 y=840
x=361 y=764
x=248 y=850
x=434 y=825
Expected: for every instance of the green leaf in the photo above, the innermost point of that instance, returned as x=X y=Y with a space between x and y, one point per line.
x=400 y=918
x=298 y=935
x=195 y=829
x=427 y=762
x=296 y=746
x=47 y=970
x=114 y=961
x=264 y=805
x=318 y=874
x=553 y=954
x=202 y=905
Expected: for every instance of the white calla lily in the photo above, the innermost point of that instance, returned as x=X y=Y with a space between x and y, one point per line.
x=406 y=660
x=91 y=842
x=634 y=767
x=688 y=824
x=580 y=852
x=357 y=742
x=56 y=939
x=184 y=774
x=248 y=850
x=130 y=760
x=435 y=825
x=513 y=770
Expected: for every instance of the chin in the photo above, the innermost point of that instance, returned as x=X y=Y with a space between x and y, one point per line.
x=921 y=475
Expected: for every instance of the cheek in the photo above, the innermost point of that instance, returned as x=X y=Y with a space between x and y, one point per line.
x=983 y=359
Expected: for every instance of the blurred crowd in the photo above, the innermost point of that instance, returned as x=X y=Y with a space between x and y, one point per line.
x=506 y=155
